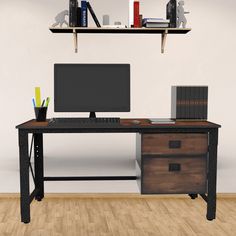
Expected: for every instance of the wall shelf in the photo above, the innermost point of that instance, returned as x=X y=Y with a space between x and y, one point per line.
x=82 y=30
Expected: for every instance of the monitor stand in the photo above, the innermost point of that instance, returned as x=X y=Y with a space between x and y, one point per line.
x=92 y=115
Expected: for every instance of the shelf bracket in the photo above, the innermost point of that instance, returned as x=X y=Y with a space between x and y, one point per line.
x=75 y=40
x=163 y=40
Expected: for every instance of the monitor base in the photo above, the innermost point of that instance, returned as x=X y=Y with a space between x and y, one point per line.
x=92 y=114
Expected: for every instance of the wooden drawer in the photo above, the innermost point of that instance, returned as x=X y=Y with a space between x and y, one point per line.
x=174 y=174
x=176 y=143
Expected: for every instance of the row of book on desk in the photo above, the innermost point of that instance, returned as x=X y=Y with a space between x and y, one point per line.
x=188 y=103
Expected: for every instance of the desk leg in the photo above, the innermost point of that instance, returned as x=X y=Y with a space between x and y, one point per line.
x=212 y=173
x=38 y=165
x=24 y=177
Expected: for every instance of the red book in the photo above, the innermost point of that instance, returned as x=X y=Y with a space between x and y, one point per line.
x=136 y=14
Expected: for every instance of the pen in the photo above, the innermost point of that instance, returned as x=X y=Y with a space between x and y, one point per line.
x=43 y=102
x=47 y=101
x=33 y=102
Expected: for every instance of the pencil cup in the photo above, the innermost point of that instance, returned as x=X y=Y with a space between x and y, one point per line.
x=40 y=113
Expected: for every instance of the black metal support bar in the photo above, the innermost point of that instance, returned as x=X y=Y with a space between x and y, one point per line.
x=30 y=155
x=32 y=173
x=204 y=196
x=212 y=167
x=33 y=194
x=31 y=146
x=24 y=177
x=38 y=165
x=89 y=178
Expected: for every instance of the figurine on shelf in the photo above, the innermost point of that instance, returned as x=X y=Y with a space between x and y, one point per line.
x=181 y=19
x=61 y=19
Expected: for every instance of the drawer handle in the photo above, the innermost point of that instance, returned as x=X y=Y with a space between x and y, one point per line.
x=174 y=167
x=174 y=144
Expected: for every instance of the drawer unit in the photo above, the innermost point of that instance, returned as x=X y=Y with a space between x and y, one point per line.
x=173 y=163
x=174 y=174
x=175 y=143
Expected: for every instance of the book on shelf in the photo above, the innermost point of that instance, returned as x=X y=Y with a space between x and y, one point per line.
x=93 y=14
x=84 y=14
x=79 y=16
x=156 y=20
x=155 y=25
x=136 y=14
x=114 y=26
x=131 y=13
x=161 y=121
x=171 y=13
x=73 y=14
x=140 y=20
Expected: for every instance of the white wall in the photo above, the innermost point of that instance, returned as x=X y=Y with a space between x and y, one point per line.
x=28 y=50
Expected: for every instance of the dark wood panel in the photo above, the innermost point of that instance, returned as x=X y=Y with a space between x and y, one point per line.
x=174 y=143
x=157 y=177
x=178 y=123
x=127 y=124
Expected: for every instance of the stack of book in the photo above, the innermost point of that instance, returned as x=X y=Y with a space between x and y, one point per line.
x=189 y=102
x=155 y=23
x=78 y=16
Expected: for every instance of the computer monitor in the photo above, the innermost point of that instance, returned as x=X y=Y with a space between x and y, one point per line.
x=92 y=88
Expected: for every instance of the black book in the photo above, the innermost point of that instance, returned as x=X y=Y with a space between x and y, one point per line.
x=188 y=99
x=205 y=102
x=73 y=16
x=184 y=92
x=194 y=98
x=197 y=102
x=186 y=107
x=179 y=102
x=79 y=16
x=171 y=13
x=191 y=102
x=201 y=101
x=93 y=15
x=184 y=102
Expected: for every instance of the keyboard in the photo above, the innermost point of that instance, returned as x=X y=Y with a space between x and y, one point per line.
x=84 y=121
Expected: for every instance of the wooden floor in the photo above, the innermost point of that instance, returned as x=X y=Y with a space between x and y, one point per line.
x=117 y=215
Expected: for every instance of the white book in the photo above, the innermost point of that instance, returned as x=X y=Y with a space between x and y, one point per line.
x=162 y=121
x=114 y=26
x=153 y=20
x=131 y=13
x=155 y=25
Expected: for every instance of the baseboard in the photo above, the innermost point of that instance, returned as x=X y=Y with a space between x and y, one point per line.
x=113 y=195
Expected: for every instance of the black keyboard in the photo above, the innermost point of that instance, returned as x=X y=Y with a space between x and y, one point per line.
x=88 y=121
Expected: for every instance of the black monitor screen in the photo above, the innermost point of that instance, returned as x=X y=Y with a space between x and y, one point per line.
x=92 y=87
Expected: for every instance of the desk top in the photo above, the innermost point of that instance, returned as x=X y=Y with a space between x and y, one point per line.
x=125 y=125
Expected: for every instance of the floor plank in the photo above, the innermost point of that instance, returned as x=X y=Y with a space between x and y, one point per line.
x=117 y=215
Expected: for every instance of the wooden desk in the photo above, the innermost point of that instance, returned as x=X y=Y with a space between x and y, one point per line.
x=171 y=158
